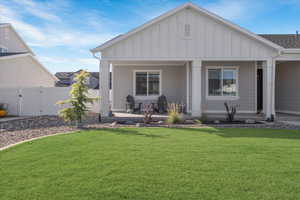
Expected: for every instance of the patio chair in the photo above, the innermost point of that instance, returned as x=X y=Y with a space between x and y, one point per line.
x=162 y=104
x=131 y=106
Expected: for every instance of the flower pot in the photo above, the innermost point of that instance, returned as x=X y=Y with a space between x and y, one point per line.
x=3 y=113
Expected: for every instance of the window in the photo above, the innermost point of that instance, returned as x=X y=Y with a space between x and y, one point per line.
x=147 y=83
x=187 y=30
x=222 y=82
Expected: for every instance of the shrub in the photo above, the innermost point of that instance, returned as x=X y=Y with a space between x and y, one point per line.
x=174 y=113
x=79 y=99
x=231 y=111
x=148 y=112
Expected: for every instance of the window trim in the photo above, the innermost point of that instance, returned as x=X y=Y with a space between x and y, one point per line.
x=209 y=97
x=147 y=96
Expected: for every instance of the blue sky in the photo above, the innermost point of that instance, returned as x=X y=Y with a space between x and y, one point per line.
x=61 y=32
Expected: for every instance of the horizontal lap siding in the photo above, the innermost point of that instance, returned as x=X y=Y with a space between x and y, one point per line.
x=9 y=39
x=247 y=90
x=208 y=39
x=23 y=72
x=288 y=87
x=173 y=83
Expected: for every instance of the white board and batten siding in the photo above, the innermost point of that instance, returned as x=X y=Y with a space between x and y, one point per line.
x=207 y=39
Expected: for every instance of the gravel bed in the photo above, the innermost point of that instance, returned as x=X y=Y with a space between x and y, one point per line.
x=12 y=137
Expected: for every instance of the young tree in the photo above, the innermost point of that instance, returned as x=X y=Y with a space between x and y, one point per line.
x=78 y=101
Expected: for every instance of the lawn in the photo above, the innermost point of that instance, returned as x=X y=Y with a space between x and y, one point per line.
x=155 y=163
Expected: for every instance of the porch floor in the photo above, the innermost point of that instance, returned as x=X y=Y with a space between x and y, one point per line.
x=288 y=118
x=124 y=115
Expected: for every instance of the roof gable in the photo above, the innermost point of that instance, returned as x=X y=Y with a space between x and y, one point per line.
x=12 y=40
x=176 y=10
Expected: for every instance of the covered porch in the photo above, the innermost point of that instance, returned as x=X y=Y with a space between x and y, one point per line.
x=201 y=85
x=287 y=83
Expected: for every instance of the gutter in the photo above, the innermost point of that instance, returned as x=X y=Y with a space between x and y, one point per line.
x=94 y=55
x=291 y=51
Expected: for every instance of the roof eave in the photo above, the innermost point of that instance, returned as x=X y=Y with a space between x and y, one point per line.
x=291 y=51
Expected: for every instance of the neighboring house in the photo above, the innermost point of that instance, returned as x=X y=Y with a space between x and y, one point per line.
x=18 y=64
x=66 y=79
x=195 y=57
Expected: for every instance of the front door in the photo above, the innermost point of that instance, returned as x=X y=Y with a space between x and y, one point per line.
x=259 y=90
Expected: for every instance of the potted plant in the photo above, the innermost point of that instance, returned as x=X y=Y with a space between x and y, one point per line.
x=3 y=111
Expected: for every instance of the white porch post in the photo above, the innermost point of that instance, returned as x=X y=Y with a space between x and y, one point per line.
x=196 y=88
x=268 y=69
x=104 y=88
x=273 y=87
x=187 y=87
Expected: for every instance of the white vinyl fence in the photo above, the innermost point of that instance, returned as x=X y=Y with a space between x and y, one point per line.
x=39 y=100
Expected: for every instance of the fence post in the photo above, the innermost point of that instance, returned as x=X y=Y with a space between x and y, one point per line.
x=20 y=101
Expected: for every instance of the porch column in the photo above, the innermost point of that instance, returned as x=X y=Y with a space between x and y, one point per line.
x=104 y=88
x=187 y=87
x=268 y=69
x=273 y=87
x=196 y=88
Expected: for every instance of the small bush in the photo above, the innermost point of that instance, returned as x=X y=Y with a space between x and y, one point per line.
x=231 y=111
x=148 y=112
x=174 y=114
x=78 y=99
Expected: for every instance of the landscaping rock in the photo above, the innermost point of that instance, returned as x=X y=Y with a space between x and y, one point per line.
x=189 y=121
x=138 y=125
x=129 y=122
x=250 y=121
x=115 y=123
x=160 y=122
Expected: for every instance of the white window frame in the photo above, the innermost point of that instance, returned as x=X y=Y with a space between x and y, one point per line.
x=147 y=96
x=210 y=97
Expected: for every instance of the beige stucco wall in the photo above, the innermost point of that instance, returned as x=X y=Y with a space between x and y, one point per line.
x=23 y=72
x=173 y=82
x=246 y=90
x=288 y=87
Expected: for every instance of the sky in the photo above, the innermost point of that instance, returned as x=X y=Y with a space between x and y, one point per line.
x=61 y=32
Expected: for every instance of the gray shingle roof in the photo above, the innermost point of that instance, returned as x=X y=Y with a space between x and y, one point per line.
x=66 y=79
x=289 y=41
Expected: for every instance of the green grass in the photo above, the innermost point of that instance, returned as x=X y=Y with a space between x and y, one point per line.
x=155 y=163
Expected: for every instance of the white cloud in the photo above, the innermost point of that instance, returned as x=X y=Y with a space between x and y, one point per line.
x=8 y=15
x=232 y=10
x=37 y=9
x=51 y=35
x=64 y=60
x=69 y=64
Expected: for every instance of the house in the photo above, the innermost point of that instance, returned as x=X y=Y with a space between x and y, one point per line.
x=195 y=57
x=66 y=79
x=18 y=65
